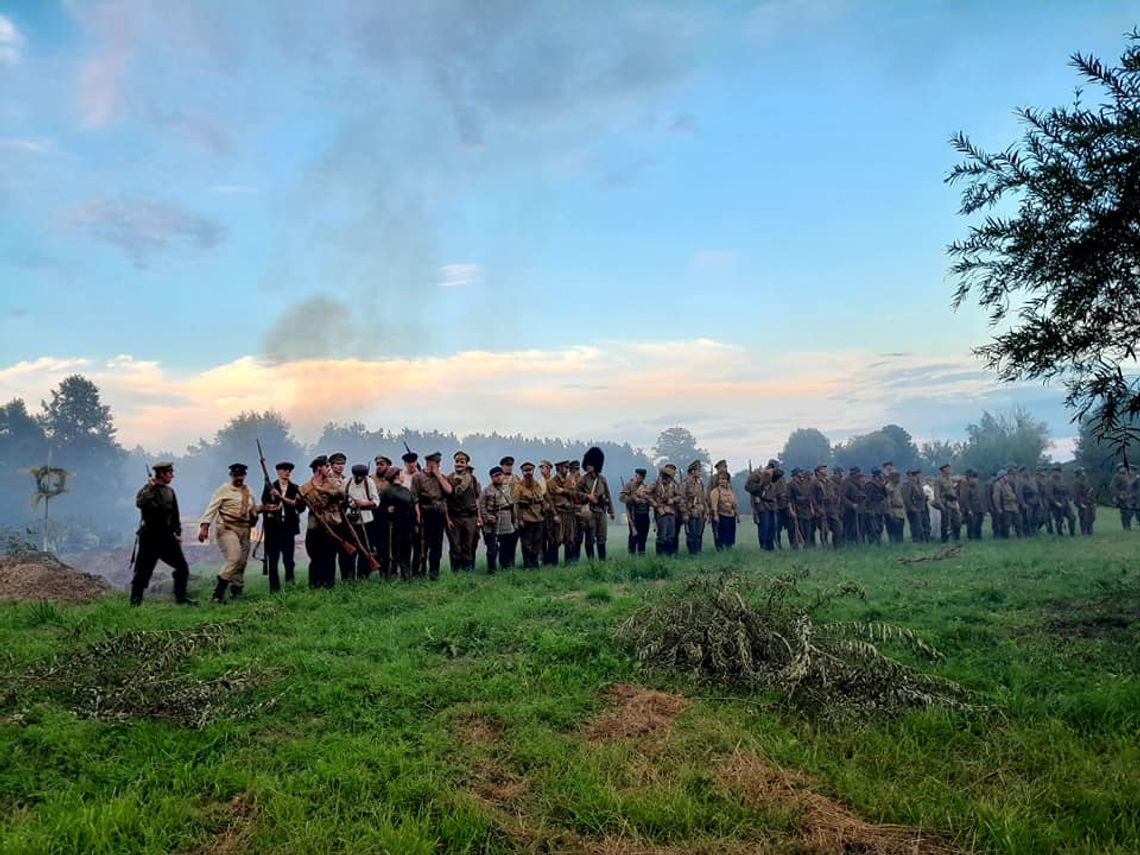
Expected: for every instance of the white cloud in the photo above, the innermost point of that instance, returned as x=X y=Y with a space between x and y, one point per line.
x=28 y=146
x=460 y=275
x=745 y=402
x=11 y=42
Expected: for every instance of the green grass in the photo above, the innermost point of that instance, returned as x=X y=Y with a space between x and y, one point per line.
x=364 y=746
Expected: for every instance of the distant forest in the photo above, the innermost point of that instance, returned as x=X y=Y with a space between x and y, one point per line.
x=75 y=431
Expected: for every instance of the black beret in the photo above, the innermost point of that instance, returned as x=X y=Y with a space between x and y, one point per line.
x=359 y=469
x=410 y=457
x=238 y=468
x=285 y=464
x=640 y=472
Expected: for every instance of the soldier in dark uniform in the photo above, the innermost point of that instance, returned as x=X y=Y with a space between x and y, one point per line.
x=325 y=499
x=917 y=513
x=761 y=488
x=664 y=499
x=970 y=503
x=160 y=536
x=784 y=519
x=1084 y=499
x=801 y=509
x=635 y=497
x=854 y=497
x=398 y=509
x=551 y=526
x=281 y=524
x=379 y=531
x=411 y=466
x=876 y=506
x=430 y=489
x=1122 y=495
x=1062 y=506
x=834 y=507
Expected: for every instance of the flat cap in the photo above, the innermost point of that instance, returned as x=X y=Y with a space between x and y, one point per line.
x=720 y=463
x=820 y=467
x=495 y=470
x=434 y=457
x=238 y=468
x=695 y=466
x=381 y=460
x=561 y=463
x=507 y=461
x=338 y=457
x=163 y=466
x=574 y=464
x=640 y=472
x=527 y=466
x=318 y=461
x=410 y=457
x=461 y=455
x=285 y=464
x=359 y=469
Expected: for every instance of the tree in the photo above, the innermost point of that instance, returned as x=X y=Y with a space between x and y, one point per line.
x=805 y=448
x=1097 y=456
x=997 y=441
x=678 y=446
x=1060 y=272
x=935 y=453
x=867 y=451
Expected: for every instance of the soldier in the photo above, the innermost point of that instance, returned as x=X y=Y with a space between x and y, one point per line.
x=160 y=536
x=324 y=499
x=430 y=489
x=896 y=508
x=1062 y=507
x=464 y=520
x=500 y=517
x=664 y=499
x=398 y=510
x=550 y=524
x=1122 y=489
x=761 y=488
x=801 y=510
x=694 y=508
x=1030 y=500
x=947 y=492
x=561 y=491
x=233 y=511
x=970 y=504
x=530 y=499
x=719 y=468
x=914 y=500
x=854 y=499
x=1085 y=500
x=362 y=501
x=594 y=493
x=347 y=563
x=1007 y=508
x=818 y=488
x=281 y=524
x=380 y=533
x=784 y=519
x=411 y=466
x=875 y=505
x=635 y=496
x=723 y=512
x=508 y=543
x=834 y=509
x=1045 y=491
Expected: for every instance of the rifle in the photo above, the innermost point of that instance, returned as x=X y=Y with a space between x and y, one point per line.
x=628 y=511
x=348 y=548
x=135 y=548
x=419 y=468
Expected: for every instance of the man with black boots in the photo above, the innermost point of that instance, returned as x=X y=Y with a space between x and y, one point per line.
x=160 y=536
x=596 y=502
x=281 y=524
x=233 y=512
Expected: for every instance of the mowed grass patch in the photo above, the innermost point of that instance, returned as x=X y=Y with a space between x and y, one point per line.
x=457 y=716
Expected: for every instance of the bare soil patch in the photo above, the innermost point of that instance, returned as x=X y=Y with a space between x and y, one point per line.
x=635 y=712
x=42 y=576
x=477 y=728
x=1110 y=620
x=828 y=827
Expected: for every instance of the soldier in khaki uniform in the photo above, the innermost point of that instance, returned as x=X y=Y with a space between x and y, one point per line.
x=325 y=500
x=724 y=513
x=594 y=492
x=947 y=492
x=970 y=504
x=380 y=533
x=665 y=501
x=818 y=485
x=550 y=526
x=530 y=499
x=560 y=491
x=1084 y=499
x=801 y=509
x=635 y=496
x=1121 y=487
x=875 y=505
x=430 y=489
x=1062 y=506
x=233 y=511
x=833 y=508
x=500 y=516
x=896 y=507
x=694 y=508
x=761 y=488
x=914 y=500
x=464 y=520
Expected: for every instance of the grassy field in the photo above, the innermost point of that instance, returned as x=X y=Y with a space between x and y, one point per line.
x=493 y=714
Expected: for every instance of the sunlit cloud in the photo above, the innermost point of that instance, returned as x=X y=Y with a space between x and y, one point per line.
x=744 y=401
x=460 y=275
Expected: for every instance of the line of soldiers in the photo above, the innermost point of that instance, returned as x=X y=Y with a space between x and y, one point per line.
x=394 y=520
x=836 y=508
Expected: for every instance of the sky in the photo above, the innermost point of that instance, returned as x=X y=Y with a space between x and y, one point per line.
x=585 y=220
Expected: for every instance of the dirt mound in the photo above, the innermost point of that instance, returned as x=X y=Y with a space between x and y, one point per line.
x=41 y=576
x=828 y=827
x=114 y=565
x=635 y=712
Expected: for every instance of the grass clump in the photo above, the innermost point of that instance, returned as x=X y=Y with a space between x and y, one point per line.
x=731 y=631
x=138 y=674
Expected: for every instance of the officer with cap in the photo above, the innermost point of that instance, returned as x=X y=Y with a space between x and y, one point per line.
x=508 y=543
x=430 y=489
x=325 y=501
x=550 y=525
x=694 y=508
x=463 y=514
x=665 y=500
x=411 y=466
x=530 y=498
x=635 y=496
x=232 y=511
x=160 y=536
x=498 y=512
x=281 y=506
x=560 y=493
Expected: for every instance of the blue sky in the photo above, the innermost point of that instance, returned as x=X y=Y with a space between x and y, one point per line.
x=216 y=205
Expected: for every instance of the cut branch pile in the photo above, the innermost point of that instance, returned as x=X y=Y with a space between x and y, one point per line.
x=712 y=630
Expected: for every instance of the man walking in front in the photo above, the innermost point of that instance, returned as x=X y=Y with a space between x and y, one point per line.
x=160 y=536
x=232 y=511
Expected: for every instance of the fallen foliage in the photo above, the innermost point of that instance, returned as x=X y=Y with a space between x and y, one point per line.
x=940 y=555
x=713 y=631
x=635 y=712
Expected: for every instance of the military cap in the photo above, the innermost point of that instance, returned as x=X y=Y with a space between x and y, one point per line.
x=527 y=465
x=238 y=468
x=285 y=464
x=695 y=466
x=914 y=472
x=574 y=464
x=1041 y=467
x=163 y=466
x=855 y=470
x=668 y=469
x=359 y=469
x=466 y=457
x=640 y=472
x=796 y=470
x=971 y=473
x=507 y=461
x=943 y=466
x=338 y=457
x=887 y=463
x=1001 y=473
x=876 y=471
x=318 y=461
x=410 y=457
x=495 y=470
x=772 y=461
x=434 y=457
x=1058 y=468
x=720 y=463
x=1023 y=469
x=821 y=466
x=561 y=463
x=381 y=460
x=545 y=463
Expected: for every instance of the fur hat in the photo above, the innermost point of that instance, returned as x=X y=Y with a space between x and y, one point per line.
x=595 y=457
